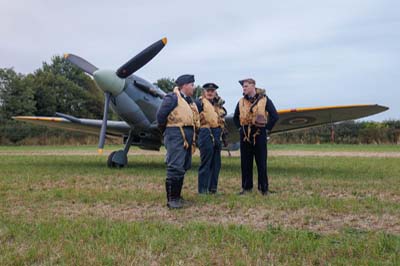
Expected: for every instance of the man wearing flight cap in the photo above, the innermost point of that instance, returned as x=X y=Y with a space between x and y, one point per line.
x=178 y=118
x=212 y=121
x=254 y=116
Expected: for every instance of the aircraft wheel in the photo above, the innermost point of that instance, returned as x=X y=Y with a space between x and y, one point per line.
x=110 y=163
x=116 y=165
x=112 y=160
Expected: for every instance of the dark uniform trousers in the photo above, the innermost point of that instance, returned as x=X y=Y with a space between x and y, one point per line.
x=209 y=143
x=178 y=159
x=249 y=151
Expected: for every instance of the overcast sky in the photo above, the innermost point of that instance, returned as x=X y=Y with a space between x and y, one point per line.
x=305 y=53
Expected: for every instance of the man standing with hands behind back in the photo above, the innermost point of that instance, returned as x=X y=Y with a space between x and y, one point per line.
x=178 y=119
x=250 y=117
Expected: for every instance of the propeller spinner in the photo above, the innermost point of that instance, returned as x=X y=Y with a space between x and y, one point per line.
x=113 y=82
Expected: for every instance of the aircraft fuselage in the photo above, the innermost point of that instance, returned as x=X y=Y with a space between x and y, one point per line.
x=137 y=105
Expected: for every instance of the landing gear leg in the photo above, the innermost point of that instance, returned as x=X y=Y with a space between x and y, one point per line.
x=119 y=159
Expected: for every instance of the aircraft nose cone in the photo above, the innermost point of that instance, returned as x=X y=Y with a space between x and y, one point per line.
x=108 y=81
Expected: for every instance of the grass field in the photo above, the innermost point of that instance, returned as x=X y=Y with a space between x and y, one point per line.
x=72 y=210
x=273 y=147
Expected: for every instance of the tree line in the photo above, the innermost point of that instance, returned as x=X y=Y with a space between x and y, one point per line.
x=59 y=86
x=55 y=87
x=350 y=132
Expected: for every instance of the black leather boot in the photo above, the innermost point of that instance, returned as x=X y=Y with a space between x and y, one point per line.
x=172 y=188
x=181 y=199
x=245 y=191
x=168 y=189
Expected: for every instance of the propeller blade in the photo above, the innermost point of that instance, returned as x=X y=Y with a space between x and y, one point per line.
x=81 y=63
x=141 y=59
x=104 y=124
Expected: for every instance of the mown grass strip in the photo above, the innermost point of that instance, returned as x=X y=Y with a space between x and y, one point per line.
x=93 y=242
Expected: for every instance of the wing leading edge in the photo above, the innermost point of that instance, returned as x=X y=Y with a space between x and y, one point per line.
x=91 y=126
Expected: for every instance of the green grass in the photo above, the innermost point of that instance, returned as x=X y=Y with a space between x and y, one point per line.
x=337 y=147
x=292 y=147
x=101 y=242
x=33 y=148
x=72 y=210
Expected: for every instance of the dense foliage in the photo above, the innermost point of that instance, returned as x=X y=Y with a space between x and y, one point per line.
x=55 y=87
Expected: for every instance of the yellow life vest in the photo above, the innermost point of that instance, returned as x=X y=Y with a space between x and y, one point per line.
x=221 y=115
x=249 y=111
x=210 y=116
x=184 y=114
x=253 y=114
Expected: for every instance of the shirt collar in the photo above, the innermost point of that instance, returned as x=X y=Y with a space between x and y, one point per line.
x=251 y=99
x=187 y=98
x=184 y=95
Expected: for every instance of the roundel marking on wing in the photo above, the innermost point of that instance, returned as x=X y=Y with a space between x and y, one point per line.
x=298 y=121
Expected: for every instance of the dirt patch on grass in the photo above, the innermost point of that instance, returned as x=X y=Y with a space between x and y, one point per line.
x=362 y=194
x=336 y=190
x=99 y=183
x=258 y=218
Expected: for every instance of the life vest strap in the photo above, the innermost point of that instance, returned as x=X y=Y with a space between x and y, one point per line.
x=185 y=143
x=246 y=137
x=194 y=140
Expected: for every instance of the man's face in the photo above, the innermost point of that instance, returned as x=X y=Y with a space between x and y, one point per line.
x=210 y=94
x=248 y=88
x=188 y=89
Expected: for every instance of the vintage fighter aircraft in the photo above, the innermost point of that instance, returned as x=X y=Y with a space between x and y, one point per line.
x=136 y=102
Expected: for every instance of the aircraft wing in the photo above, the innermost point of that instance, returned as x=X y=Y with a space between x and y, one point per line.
x=300 y=118
x=91 y=126
x=289 y=120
